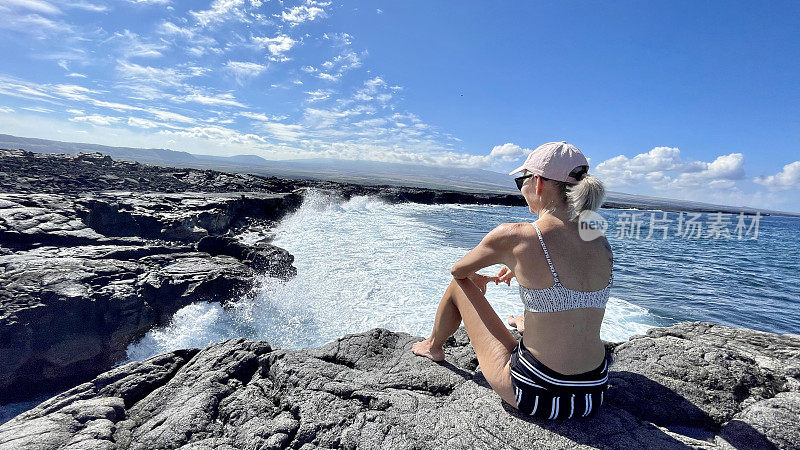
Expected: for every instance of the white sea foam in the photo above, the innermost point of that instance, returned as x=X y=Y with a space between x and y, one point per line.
x=361 y=263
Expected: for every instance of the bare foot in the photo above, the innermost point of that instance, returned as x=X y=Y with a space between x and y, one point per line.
x=424 y=348
x=518 y=322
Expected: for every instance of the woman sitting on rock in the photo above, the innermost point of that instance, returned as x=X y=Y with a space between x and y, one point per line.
x=559 y=369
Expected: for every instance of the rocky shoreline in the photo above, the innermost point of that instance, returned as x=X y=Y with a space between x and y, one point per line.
x=81 y=277
x=692 y=385
x=95 y=252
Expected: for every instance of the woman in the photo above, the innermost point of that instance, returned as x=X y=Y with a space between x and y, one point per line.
x=559 y=369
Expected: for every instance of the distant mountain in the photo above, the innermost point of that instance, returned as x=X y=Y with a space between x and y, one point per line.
x=365 y=172
x=361 y=172
x=143 y=155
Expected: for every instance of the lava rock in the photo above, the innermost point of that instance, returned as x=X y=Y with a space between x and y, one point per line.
x=82 y=276
x=265 y=258
x=368 y=390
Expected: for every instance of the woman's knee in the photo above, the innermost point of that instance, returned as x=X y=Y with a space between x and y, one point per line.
x=453 y=284
x=456 y=291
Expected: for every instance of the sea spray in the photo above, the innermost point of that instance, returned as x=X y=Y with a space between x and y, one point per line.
x=362 y=263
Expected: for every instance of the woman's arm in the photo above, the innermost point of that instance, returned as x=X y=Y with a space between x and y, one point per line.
x=494 y=248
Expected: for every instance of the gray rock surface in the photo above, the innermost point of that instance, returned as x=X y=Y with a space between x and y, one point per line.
x=85 y=270
x=82 y=276
x=368 y=390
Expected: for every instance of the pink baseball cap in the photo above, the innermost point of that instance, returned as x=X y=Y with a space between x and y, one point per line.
x=556 y=161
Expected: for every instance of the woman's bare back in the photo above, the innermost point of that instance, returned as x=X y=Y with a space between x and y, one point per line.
x=566 y=341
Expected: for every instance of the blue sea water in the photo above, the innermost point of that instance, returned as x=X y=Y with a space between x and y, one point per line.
x=749 y=283
x=365 y=263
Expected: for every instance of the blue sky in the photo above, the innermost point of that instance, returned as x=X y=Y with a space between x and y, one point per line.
x=693 y=100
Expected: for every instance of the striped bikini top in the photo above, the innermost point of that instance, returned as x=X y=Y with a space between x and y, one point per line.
x=558 y=297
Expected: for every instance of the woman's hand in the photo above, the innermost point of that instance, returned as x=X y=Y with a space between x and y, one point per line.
x=505 y=275
x=482 y=280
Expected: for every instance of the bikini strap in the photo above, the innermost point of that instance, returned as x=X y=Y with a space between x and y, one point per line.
x=546 y=254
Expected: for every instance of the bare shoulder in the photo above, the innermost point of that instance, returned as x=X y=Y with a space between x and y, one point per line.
x=505 y=234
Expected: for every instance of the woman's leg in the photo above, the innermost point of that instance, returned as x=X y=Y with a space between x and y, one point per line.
x=488 y=335
x=446 y=322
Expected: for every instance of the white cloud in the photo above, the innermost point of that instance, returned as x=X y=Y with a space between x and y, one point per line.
x=160 y=76
x=218 y=100
x=662 y=168
x=170 y=116
x=726 y=167
x=319 y=94
x=138 y=122
x=38 y=109
x=149 y=83
x=373 y=84
x=499 y=153
x=6 y=109
x=657 y=159
x=328 y=76
x=374 y=89
x=339 y=39
x=96 y=119
x=326 y=118
x=115 y=106
x=86 y=6
x=33 y=5
x=142 y=123
x=377 y=122
x=310 y=11
x=170 y=29
x=194 y=42
x=72 y=91
x=217 y=134
x=76 y=75
x=33 y=24
x=244 y=70
x=220 y=11
x=133 y=46
x=277 y=46
x=71 y=52
x=508 y=152
x=787 y=178
x=336 y=67
x=14 y=88
x=278 y=130
x=261 y=116
x=622 y=171
x=722 y=173
x=150 y=2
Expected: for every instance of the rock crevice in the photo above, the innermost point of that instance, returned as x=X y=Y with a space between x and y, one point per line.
x=78 y=285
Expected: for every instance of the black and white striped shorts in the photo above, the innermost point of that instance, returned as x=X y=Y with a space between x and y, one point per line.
x=546 y=394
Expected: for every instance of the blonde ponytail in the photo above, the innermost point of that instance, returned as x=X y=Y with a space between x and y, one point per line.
x=587 y=195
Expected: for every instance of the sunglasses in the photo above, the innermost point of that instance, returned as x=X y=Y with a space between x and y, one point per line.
x=521 y=180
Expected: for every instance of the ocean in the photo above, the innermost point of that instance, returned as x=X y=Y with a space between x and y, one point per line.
x=364 y=263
